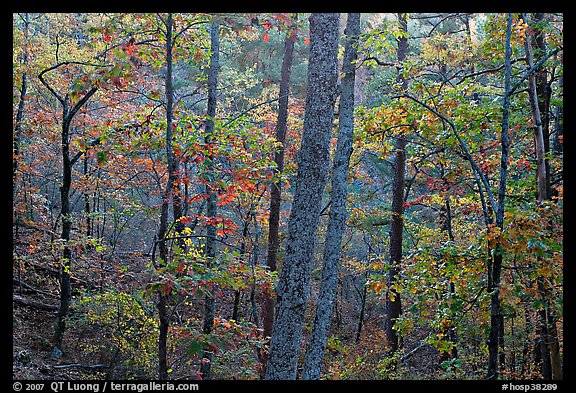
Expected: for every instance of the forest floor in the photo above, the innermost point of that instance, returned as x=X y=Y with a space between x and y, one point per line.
x=35 y=301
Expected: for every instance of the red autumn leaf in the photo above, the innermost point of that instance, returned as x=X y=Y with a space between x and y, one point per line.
x=307 y=40
x=130 y=48
x=185 y=220
x=107 y=37
x=266 y=37
x=267 y=24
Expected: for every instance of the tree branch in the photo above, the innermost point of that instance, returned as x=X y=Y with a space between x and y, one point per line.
x=462 y=145
x=533 y=69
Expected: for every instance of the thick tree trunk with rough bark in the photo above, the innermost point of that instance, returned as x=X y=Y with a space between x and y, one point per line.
x=338 y=213
x=293 y=287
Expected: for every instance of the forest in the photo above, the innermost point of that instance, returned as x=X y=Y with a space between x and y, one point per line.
x=287 y=196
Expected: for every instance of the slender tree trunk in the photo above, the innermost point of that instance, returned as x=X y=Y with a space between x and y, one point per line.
x=558 y=125
x=544 y=339
x=87 y=202
x=246 y=258
x=17 y=134
x=164 y=297
x=537 y=120
x=68 y=114
x=362 y=309
x=555 y=359
x=543 y=92
x=393 y=302
x=21 y=102
x=293 y=287
x=495 y=269
x=451 y=333
x=537 y=98
x=65 y=284
x=211 y=209
x=501 y=353
x=276 y=188
x=338 y=213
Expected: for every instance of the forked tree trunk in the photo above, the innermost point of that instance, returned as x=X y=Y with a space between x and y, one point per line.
x=68 y=162
x=293 y=287
x=338 y=213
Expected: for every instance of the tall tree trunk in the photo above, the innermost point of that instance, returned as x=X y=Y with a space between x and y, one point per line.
x=543 y=337
x=68 y=162
x=164 y=297
x=87 y=202
x=558 y=125
x=362 y=309
x=495 y=267
x=276 y=188
x=338 y=214
x=555 y=359
x=451 y=333
x=65 y=283
x=293 y=287
x=21 y=103
x=537 y=120
x=393 y=303
x=211 y=209
x=543 y=93
x=537 y=98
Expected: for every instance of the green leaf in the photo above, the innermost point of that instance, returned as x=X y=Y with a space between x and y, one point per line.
x=102 y=157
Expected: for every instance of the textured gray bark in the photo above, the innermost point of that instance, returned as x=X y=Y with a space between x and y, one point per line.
x=313 y=159
x=338 y=214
